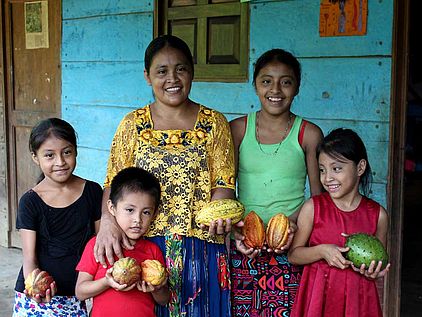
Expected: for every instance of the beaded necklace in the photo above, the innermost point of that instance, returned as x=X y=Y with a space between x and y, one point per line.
x=282 y=139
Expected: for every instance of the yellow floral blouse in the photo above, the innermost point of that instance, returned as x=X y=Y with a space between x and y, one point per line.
x=188 y=164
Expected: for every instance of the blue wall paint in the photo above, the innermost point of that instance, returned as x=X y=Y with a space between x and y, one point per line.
x=346 y=80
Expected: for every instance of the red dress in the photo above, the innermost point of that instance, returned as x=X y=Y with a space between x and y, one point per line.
x=329 y=291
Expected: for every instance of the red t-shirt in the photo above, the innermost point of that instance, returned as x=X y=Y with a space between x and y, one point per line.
x=111 y=302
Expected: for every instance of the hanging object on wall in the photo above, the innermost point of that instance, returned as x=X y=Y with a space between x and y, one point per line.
x=36 y=24
x=343 y=17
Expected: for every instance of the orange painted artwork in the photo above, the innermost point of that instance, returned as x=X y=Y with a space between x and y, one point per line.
x=343 y=17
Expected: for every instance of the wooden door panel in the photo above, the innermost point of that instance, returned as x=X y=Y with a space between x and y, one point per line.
x=33 y=94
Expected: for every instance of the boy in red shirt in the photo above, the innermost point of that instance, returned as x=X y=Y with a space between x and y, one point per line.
x=134 y=197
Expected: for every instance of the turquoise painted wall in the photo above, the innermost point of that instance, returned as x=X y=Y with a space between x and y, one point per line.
x=346 y=80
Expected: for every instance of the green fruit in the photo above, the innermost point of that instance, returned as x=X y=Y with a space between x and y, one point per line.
x=364 y=249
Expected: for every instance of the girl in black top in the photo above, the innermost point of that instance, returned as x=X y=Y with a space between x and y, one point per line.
x=55 y=219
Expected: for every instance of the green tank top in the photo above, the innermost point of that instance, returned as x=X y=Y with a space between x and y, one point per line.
x=268 y=182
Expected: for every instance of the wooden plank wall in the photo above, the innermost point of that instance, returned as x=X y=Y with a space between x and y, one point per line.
x=346 y=80
x=4 y=208
x=102 y=72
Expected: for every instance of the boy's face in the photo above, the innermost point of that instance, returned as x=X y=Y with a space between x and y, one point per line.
x=134 y=213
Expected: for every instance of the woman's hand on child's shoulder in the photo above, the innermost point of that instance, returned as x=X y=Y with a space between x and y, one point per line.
x=333 y=254
x=373 y=271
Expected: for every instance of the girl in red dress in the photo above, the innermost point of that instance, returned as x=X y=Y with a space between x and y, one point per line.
x=331 y=285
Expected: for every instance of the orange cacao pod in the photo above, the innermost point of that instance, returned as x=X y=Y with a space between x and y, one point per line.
x=253 y=230
x=277 y=231
x=126 y=271
x=153 y=272
x=38 y=282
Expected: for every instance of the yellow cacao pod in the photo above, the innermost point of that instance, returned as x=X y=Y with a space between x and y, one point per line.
x=220 y=209
x=253 y=231
x=153 y=272
x=277 y=231
x=126 y=271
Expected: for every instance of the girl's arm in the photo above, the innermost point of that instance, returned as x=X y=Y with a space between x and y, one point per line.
x=382 y=226
x=311 y=139
x=374 y=270
x=299 y=254
x=30 y=261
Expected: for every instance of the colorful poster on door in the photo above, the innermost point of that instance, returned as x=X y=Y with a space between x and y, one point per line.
x=36 y=24
x=343 y=17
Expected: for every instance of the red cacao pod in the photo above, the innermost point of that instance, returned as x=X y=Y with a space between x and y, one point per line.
x=38 y=282
x=253 y=231
x=153 y=272
x=126 y=271
x=277 y=231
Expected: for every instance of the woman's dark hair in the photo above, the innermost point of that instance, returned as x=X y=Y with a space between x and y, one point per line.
x=134 y=180
x=166 y=41
x=279 y=55
x=48 y=127
x=346 y=144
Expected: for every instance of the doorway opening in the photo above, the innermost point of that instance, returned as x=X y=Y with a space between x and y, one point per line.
x=411 y=276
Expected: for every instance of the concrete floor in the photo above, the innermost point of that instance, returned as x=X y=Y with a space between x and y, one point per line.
x=11 y=263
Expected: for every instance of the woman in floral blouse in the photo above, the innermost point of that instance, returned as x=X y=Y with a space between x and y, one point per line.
x=188 y=147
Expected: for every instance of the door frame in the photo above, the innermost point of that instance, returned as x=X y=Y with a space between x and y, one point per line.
x=4 y=203
x=398 y=123
x=8 y=235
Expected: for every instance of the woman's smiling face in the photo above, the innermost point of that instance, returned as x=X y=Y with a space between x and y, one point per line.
x=170 y=76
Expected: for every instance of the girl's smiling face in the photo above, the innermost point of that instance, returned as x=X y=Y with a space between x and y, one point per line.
x=340 y=176
x=170 y=76
x=134 y=213
x=276 y=86
x=56 y=159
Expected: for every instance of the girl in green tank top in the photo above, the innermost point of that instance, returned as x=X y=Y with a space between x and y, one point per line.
x=274 y=150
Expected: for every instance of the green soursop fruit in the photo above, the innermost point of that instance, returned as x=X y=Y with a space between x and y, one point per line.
x=365 y=248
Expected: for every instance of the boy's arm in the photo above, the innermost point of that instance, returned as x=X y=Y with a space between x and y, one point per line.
x=162 y=295
x=86 y=287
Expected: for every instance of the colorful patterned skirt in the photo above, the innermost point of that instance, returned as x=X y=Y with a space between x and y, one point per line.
x=59 y=306
x=264 y=286
x=198 y=279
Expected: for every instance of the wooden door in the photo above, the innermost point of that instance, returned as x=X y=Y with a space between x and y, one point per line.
x=33 y=81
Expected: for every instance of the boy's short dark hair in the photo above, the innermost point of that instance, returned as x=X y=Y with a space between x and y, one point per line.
x=134 y=179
